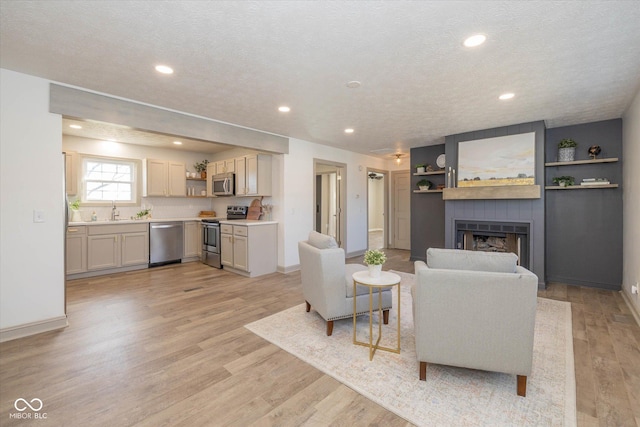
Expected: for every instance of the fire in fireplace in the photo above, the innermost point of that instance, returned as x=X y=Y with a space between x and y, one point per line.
x=491 y=236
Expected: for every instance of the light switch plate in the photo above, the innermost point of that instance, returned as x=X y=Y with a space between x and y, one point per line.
x=38 y=216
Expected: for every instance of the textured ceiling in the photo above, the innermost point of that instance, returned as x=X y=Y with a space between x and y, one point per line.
x=567 y=62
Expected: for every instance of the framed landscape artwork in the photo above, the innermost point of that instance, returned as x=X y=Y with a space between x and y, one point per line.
x=505 y=160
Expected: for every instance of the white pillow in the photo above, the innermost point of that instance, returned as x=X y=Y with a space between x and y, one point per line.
x=321 y=241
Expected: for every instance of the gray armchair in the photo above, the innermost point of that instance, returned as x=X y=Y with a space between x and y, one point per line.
x=327 y=284
x=475 y=310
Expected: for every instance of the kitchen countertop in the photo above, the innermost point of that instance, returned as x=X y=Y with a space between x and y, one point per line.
x=223 y=220
x=136 y=221
x=247 y=222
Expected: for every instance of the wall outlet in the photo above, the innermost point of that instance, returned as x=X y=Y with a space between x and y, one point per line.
x=634 y=289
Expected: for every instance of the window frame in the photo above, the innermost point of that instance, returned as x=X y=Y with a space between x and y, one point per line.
x=136 y=184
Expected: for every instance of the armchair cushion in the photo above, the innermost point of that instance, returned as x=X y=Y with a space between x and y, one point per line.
x=449 y=259
x=321 y=241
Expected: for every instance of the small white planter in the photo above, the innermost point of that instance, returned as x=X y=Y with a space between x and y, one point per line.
x=423 y=187
x=420 y=170
x=75 y=216
x=374 y=270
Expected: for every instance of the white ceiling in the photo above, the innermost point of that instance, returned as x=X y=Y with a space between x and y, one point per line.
x=237 y=61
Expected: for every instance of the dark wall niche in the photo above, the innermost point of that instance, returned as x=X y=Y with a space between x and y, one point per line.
x=584 y=226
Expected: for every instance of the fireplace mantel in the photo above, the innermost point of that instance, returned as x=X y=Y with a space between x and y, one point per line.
x=492 y=192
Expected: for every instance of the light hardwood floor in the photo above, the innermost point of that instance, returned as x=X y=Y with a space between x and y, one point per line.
x=167 y=347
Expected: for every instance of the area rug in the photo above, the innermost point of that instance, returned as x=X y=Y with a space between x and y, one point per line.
x=450 y=396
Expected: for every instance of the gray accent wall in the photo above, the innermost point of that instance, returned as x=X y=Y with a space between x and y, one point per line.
x=427 y=209
x=531 y=211
x=584 y=226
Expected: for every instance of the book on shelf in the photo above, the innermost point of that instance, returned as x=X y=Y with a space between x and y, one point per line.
x=594 y=183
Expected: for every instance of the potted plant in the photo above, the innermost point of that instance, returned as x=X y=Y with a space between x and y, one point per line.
x=75 y=211
x=564 y=181
x=424 y=185
x=201 y=168
x=374 y=258
x=420 y=168
x=567 y=150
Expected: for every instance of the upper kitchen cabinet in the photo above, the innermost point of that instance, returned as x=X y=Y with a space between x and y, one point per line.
x=164 y=178
x=253 y=175
x=71 y=172
x=226 y=166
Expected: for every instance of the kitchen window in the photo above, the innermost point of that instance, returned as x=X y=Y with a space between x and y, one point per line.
x=108 y=179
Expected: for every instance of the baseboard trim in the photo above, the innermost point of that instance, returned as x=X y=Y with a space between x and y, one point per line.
x=597 y=285
x=28 y=329
x=634 y=310
x=289 y=269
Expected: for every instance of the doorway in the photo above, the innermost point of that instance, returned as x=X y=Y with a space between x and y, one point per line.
x=377 y=209
x=329 y=199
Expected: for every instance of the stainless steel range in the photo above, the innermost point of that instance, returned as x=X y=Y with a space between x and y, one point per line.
x=211 y=235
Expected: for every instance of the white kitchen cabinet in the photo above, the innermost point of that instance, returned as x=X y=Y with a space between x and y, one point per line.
x=192 y=239
x=249 y=250
x=114 y=246
x=164 y=178
x=253 y=175
x=211 y=171
x=76 y=254
x=225 y=166
x=71 y=172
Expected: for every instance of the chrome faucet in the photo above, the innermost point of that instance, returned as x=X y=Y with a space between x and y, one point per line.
x=113 y=211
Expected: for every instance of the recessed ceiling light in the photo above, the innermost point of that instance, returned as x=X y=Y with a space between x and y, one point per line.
x=353 y=84
x=164 y=69
x=475 y=40
x=505 y=96
x=284 y=109
x=348 y=130
x=177 y=142
x=75 y=126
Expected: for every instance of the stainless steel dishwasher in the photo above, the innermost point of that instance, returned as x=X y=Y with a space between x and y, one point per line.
x=165 y=242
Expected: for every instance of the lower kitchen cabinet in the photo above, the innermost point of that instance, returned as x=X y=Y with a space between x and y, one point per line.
x=117 y=245
x=192 y=239
x=76 y=254
x=249 y=250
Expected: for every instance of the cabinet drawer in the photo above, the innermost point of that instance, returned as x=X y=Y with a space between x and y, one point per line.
x=118 y=228
x=240 y=231
x=76 y=231
x=226 y=228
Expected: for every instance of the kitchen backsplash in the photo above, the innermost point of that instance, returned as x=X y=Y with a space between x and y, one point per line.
x=161 y=207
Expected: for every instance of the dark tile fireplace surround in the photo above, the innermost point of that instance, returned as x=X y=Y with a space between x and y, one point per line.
x=492 y=236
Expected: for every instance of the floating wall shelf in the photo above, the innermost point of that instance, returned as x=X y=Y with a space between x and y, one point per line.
x=429 y=173
x=583 y=162
x=580 y=187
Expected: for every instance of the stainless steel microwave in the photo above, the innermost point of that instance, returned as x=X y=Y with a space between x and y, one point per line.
x=223 y=184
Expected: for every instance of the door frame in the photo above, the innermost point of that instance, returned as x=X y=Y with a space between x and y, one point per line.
x=385 y=213
x=341 y=199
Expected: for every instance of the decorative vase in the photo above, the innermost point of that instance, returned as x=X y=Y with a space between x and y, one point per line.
x=203 y=174
x=75 y=216
x=567 y=154
x=375 y=269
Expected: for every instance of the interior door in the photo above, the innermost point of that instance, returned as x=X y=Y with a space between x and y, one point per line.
x=402 y=210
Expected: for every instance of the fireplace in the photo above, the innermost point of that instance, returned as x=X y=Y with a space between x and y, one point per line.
x=492 y=236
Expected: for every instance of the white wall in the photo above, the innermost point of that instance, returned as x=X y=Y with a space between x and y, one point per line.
x=297 y=205
x=31 y=177
x=631 y=200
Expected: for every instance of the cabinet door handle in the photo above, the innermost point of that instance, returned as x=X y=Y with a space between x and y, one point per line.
x=115 y=239
x=124 y=238
x=72 y=230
